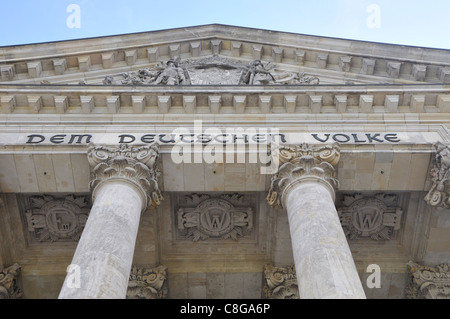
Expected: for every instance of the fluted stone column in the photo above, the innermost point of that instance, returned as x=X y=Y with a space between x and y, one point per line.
x=305 y=186
x=123 y=184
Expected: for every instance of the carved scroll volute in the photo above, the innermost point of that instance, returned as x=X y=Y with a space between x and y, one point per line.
x=137 y=164
x=439 y=193
x=299 y=161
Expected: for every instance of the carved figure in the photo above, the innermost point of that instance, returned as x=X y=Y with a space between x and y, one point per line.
x=172 y=75
x=256 y=73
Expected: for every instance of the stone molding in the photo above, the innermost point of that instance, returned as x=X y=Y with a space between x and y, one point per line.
x=439 y=193
x=9 y=288
x=133 y=164
x=428 y=282
x=147 y=283
x=370 y=217
x=51 y=219
x=105 y=53
x=280 y=283
x=214 y=218
x=308 y=99
x=299 y=163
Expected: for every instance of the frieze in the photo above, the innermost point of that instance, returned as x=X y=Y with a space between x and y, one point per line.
x=147 y=283
x=214 y=217
x=208 y=138
x=280 y=283
x=428 y=282
x=56 y=219
x=370 y=217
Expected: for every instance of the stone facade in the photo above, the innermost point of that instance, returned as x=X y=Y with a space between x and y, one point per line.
x=236 y=163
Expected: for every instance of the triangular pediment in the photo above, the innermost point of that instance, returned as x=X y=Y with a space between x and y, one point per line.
x=283 y=55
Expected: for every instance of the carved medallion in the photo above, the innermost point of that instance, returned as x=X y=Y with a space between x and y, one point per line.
x=428 y=282
x=147 y=283
x=214 y=218
x=280 y=283
x=51 y=219
x=370 y=217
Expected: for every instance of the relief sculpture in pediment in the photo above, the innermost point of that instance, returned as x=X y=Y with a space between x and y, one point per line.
x=213 y=70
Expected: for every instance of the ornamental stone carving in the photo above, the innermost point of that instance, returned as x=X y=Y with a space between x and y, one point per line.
x=147 y=283
x=365 y=217
x=134 y=164
x=439 y=193
x=9 y=288
x=428 y=282
x=51 y=219
x=280 y=283
x=214 y=70
x=216 y=218
x=300 y=163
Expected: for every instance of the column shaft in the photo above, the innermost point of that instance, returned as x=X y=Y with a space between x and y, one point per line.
x=105 y=251
x=323 y=260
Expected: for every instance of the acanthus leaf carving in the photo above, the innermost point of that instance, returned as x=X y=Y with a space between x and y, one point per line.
x=280 y=283
x=428 y=282
x=9 y=287
x=137 y=164
x=147 y=283
x=298 y=161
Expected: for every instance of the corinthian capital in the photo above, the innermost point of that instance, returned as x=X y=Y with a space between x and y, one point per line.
x=135 y=164
x=439 y=193
x=303 y=163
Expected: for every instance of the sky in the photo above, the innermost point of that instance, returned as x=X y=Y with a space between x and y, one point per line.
x=424 y=23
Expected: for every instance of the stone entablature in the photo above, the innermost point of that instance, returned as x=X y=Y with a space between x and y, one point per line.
x=218 y=99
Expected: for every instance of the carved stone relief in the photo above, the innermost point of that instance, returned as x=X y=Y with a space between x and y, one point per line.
x=370 y=217
x=212 y=70
x=428 y=282
x=51 y=219
x=220 y=217
x=280 y=283
x=9 y=288
x=439 y=193
x=147 y=283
